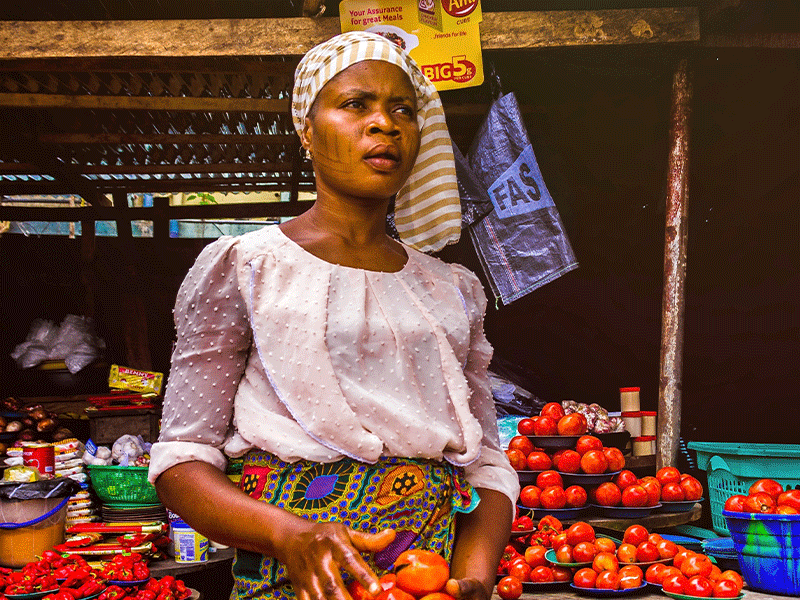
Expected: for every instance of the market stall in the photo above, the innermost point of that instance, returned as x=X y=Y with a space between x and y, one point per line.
x=225 y=110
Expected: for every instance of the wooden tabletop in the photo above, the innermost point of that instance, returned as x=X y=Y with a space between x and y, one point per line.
x=168 y=566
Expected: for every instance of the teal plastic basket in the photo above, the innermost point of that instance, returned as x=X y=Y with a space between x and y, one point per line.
x=732 y=468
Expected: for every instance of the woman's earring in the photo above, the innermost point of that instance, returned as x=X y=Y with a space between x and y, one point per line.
x=309 y=156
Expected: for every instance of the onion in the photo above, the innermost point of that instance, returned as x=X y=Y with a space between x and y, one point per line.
x=46 y=424
x=3 y=422
x=14 y=426
x=38 y=413
x=27 y=435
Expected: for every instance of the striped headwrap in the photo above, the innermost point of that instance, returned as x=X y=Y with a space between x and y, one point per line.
x=427 y=208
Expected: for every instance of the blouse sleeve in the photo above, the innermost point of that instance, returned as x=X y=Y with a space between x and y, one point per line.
x=213 y=340
x=492 y=470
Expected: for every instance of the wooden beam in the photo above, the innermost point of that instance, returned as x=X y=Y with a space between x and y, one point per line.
x=167 y=138
x=189 y=168
x=169 y=103
x=294 y=36
x=112 y=213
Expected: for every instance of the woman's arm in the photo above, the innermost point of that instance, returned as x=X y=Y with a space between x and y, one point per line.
x=481 y=536
x=314 y=553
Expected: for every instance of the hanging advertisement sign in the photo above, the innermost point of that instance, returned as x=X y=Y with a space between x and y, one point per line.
x=442 y=36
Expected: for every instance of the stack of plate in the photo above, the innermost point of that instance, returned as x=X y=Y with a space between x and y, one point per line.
x=126 y=513
x=723 y=552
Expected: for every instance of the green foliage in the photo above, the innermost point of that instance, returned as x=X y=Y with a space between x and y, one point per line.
x=204 y=197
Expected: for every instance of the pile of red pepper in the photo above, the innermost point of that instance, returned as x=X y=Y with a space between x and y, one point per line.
x=70 y=577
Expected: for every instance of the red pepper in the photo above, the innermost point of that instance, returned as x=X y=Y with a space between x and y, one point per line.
x=92 y=586
x=75 y=594
x=140 y=571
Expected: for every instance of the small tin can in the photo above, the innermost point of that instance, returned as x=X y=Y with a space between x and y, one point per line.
x=40 y=456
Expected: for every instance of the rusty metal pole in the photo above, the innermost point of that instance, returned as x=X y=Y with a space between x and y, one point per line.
x=673 y=302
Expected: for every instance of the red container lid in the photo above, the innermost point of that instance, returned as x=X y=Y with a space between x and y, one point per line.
x=645 y=438
x=649 y=413
x=631 y=413
x=631 y=389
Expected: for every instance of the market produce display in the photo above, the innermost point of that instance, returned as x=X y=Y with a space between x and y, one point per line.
x=766 y=496
x=60 y=576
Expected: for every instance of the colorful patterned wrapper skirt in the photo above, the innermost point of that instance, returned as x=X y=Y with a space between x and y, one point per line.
x=417 y=498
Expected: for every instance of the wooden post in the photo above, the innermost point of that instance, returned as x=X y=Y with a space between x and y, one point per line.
x=673 y=302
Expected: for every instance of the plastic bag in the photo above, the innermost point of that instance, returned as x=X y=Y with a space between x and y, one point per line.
x=73 y=341
x=59 y=487
x=522 y=243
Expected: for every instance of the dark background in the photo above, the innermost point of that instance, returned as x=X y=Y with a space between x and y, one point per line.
x=598 y=120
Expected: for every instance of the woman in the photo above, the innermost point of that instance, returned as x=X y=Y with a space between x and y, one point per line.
x=348 y=368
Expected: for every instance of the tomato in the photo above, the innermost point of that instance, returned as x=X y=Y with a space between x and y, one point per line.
x=437 y=596
x=635 y=534
x=569 y=461
x=675 y=583
x=585 y=578
x=732 y=576
x=553 y=497
x=672 y=492
x=766 y=486
x=655 y=573
x=630 y=579
x=634 y=495
x=572 y=424
x=580 y=532
x=692 y=488
x=542 y=574
x=564 y=554
x=545 y=426
x=534 y=556
x=607 y=580
x=554 y=410
x=626 y=553
x=625 y=478
x=699 y=586
x=667 y=475
x=562 y=573
x=682 y=555
x=509 y=588
x=525 y=426
x=786 y=510
x=584 y=552
x=789 y=498
x=559 y=539
x=521 y=443
x=605 y=561
x=759 y=502
x=614 y=458
x=653 y=489
x=530 y=496
x=518 y=460
x=667 y=548
x=576 y=496
x=647 y=552
x=604 y=544
x=586 y=443
x=550 y=521
x=549 y=478
x=520 y=569
x=539 y=461
x=697 y=564
x=358 y=591
x=608 y=494
x=725 y=588
x=594 y=462
x=394 y=593
x=735 y=503
x=421 y=572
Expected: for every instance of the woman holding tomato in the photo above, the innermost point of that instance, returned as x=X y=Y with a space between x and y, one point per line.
x=348 y=368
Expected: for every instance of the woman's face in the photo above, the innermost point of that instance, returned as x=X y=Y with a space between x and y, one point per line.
x=363 y=132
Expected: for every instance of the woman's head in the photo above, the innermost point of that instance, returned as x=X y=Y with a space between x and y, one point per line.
x=427 y=207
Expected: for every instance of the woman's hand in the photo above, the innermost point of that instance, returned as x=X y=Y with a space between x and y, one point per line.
x=467 y=589
x=316 y=557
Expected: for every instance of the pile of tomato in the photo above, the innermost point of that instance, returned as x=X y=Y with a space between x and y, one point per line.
x=693 y=574
x=766 y=496
x=668 y=485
